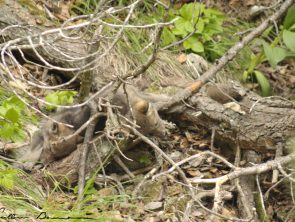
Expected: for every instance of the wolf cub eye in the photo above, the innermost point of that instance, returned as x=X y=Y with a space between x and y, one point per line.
x=54 y=128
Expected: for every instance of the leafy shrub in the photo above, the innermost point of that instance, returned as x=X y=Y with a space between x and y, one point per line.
x=273 y=52
x=13 y=114
x=60 y=98
x=206 y=23
x=276 y=54
x=8 y=176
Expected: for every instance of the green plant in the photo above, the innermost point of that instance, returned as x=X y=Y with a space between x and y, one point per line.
x=276 y=54
x=206 y=23
x=60 y=98
x=86 y=7
x=13 y=115
x=8 y=176
x=281 y=47
x=22 y=196
x=18 y=193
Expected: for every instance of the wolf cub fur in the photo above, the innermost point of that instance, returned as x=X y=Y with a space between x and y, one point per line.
x=48 y=144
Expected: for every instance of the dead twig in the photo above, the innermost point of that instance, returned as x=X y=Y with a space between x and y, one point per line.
x=253 y=170
x=88 y=137
x=186 y=181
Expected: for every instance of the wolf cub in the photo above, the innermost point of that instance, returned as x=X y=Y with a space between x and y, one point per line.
x=48 y=144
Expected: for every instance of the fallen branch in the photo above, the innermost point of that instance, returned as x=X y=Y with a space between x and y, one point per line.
x=253 y=170
x=88 y=136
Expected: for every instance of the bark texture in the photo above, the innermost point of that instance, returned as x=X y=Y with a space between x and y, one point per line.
x=270 y=121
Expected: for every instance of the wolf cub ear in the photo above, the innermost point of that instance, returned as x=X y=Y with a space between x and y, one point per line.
x=54 y=128
x=142 y=106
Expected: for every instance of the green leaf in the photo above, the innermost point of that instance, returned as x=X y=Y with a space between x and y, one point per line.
x=214 y=50
x=6 y=131
x=198 y=47
x=289 y=39
x=60 y=98
x=14 y=102
x=12 y=115
x=52 y=98
x=16 y=113
x=267 y=32
x=263 y=83
x=194 y=44
x=7 y=181
x=183 y=27
x=274 y=54
x=167 y=37
x=12 y=131
x=187 y=44
x=188 y=26
x=180 y=27
x=200 y=26
x=177 y=31
x=218 y=14
x=2 y=111
x=66 y=97
x=290 y=17
x=206 y=37
x=3 y=132
x=213 y=28
x=18 y=135
x=245 y=76
x=292 y=27
x=188 y=10
x=180 y=22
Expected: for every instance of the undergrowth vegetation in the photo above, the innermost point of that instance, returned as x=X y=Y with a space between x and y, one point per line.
x=276 y=44
x=205 y=23
x=14 y=114
x=60 y=98
x=21 y=196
